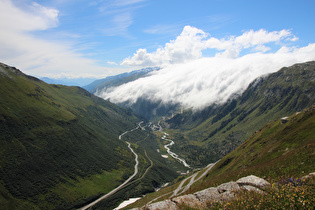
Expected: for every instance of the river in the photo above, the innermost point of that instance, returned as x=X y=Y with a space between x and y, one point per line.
x=174 y=155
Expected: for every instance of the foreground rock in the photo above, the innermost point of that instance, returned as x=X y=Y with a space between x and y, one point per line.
x=223 y=192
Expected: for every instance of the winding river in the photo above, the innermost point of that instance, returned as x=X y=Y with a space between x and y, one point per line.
x=174 y=155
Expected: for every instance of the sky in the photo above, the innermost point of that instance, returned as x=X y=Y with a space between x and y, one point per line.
x=99 y=38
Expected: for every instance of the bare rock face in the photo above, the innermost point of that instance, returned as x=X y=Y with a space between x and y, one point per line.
x=230 y=186
x=167 y=204
x=251 y=188
x=223 y=192
x=310 y=175
x=189 y=200
x=208 y=194
x=253 y=181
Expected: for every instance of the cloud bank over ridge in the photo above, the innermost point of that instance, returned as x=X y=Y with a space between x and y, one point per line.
x=195 y=81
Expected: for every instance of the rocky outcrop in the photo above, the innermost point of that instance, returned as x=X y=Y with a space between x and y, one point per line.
x=223 y=192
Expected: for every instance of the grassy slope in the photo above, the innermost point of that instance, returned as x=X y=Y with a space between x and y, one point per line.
x=275 y=152
x=54 y=137
x=227 y=126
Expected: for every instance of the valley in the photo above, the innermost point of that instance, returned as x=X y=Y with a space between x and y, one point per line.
x=127 y=181
x=157 y=105
x=61 y=148
x=66 y=148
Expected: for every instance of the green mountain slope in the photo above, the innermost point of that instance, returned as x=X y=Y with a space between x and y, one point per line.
x=277 y=152
x=210 y=134
x=59 y=144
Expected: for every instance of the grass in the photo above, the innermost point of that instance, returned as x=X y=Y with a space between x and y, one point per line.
x=287 y=193
x=89 y=186
x=276 y=152
x=58 y=143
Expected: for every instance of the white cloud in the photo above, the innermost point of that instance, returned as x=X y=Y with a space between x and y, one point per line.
x=191 y=42
x=112 y=63
x=195 y=81
x=13 y=19
x=186 y=47
x=35 y=55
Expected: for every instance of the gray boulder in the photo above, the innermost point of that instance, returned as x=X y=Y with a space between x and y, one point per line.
x=253 y=181
x=210 y=194
x=189 y=200
x=167 y=204
x=229 y=186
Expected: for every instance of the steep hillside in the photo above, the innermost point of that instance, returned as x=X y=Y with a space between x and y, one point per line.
x=59 y=144
x=210 y=134
x=113 y=81
x=278 y=151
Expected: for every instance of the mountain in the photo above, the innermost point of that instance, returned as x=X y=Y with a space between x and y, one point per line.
x=60 y=146
x=207 y=135
x=113 y=81
x=281 y=151
x=68 y=81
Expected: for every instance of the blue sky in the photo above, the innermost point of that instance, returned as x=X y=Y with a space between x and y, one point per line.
x=86 y=38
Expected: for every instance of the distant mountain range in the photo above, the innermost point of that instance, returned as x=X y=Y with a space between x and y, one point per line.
x=92 y=85
x=113 y=81
x=68 y=81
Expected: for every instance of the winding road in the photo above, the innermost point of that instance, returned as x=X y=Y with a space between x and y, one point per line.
x=127 y=181
x=180 y=189
x=192 y=181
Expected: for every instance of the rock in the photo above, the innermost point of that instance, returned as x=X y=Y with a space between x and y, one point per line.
x=229 y=186
x=227 y=196
x=284 y=120
x=308 y=176
x=223 y=192
x=190 y=201
x=251 y=188
x=207 y=195
x=253 y=181
x=227 y=190
x=167 y=204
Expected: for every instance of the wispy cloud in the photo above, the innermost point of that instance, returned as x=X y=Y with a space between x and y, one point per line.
x=195 y=81
x=120 y=14
x=162 y=29
x=35 y=55
x=119 y=25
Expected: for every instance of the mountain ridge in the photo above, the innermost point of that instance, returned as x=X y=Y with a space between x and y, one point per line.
x=282 y=152
x=116 y=80
x=225 y=126
x=59 y=142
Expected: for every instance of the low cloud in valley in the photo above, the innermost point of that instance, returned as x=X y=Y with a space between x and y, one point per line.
x=196 y=81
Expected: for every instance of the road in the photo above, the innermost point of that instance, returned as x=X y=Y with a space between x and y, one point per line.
x=127 y=181
x=180 y=189
x=192 y=180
